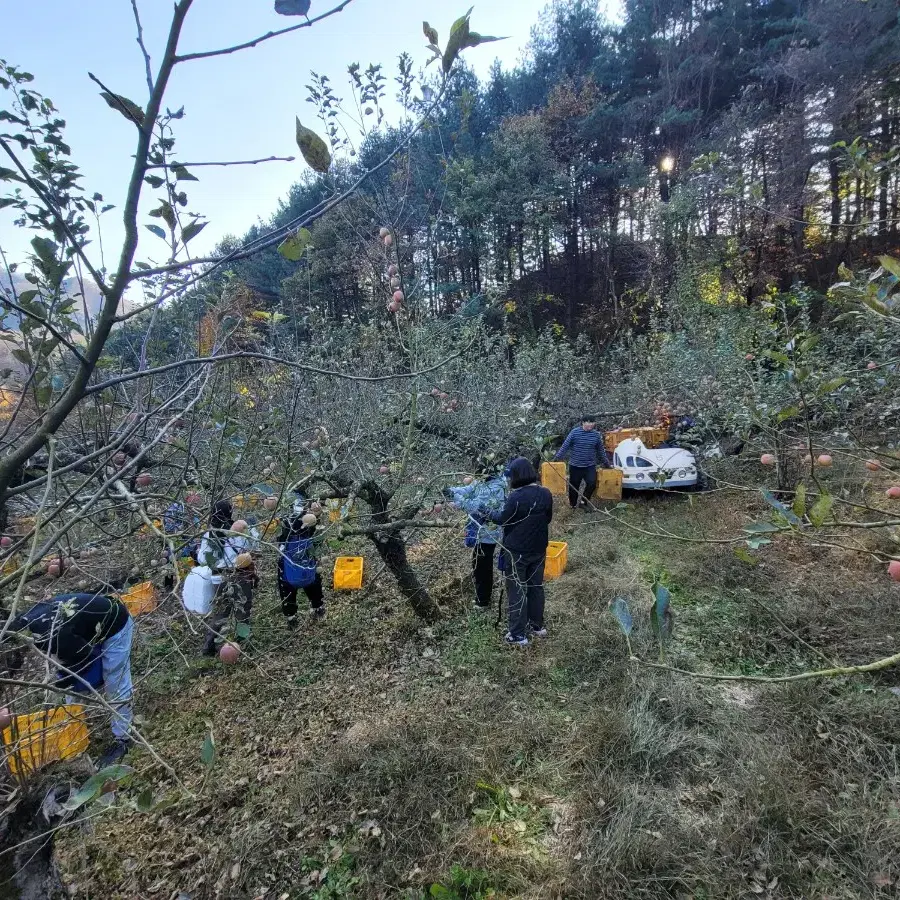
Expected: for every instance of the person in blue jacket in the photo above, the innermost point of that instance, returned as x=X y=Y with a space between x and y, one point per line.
x=525 y=518
x=585 y=448
x=480 y=499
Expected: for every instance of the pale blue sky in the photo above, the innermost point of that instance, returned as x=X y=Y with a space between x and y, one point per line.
x=240 y=106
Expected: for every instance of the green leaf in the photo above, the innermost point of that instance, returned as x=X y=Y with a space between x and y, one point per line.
x=831 y=385
x=242 y=630
x=144 y=803
x=778 y=356
x=890 y=264
x=781 y=508
x=156 y=230
x=165 y=212
x=9 y=175
x=787 y=413
x=208 y=752
x=23 y=356
x=27 y=296
x=294 y=245
x=622 y=614
x=154 y=181
x=430 y=33
x=182 y=174
x=127 y=107
x=757 y=542
x=191 y=230
x=820 y=510
x=45 y=250
x=94 y=785
x=799 y=505
x=459 y=33
x=315 y=151
x=745 y=557
x=474 y=39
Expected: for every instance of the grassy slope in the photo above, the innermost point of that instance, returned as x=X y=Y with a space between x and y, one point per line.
x=368 y=757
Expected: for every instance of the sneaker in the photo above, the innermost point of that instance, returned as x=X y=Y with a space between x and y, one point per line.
x=481 y=607
x=114 y=754
x=291 y=622
x=514 y=641
x=317 y=612
x=538 y=632
x=209 y=650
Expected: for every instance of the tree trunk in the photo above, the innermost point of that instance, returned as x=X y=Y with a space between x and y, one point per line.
x=392 y=550
x=391 y=547
x=834 y=178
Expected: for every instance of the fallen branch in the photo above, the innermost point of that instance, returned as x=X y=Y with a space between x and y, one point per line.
x=836 y=672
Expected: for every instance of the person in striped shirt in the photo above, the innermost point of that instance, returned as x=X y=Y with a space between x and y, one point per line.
x=585 y=449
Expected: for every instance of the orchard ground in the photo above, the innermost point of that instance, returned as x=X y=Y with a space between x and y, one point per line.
x=370 y=757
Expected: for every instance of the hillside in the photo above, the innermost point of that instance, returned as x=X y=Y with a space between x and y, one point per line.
x=379 y=758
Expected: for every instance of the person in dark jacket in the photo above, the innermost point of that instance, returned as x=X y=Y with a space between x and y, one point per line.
x=300 y=525
x=585 y=448
x=525 y=518
x=75 y=628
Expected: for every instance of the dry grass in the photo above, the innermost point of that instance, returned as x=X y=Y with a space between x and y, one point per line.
x=367 y=757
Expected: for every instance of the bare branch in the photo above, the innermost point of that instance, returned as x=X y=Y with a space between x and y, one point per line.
x=265 y=37
x=276 y=235
x=277 y=360
x=235 y=162
x=140 y=41
x=44 y=323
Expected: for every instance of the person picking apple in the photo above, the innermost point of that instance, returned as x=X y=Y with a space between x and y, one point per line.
x=226 y=551
x=75 y=629
x=297 y=564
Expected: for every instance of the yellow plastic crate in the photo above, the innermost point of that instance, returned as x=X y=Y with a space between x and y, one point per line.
x=609 y=484
x=141 y=598
x=348 y=573
x=651 y=437
x=38 y=739
x=269 y=529
x=557 y=557
x=553 y=477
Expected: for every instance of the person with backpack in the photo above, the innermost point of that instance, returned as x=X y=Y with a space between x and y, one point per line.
x=78 y=630
x=525 y=519
x=298 y=568
x=586 y=450
x=224 y=552
x=479 y=499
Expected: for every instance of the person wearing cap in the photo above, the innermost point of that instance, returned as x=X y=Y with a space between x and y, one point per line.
x=219 y=549
x=585 y=449
x=76 y=629
x=480 y=499
x=525 y=519
x=297 y=564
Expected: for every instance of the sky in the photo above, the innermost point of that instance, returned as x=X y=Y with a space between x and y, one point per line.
x=240 y=106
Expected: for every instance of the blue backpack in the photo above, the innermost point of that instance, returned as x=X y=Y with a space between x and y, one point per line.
x=299 y=565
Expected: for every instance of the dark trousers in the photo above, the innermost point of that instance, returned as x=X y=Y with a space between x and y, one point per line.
x=288 y=594
x=233 y=597
x=525 y=592
x=577 y=474
x=483 y=573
